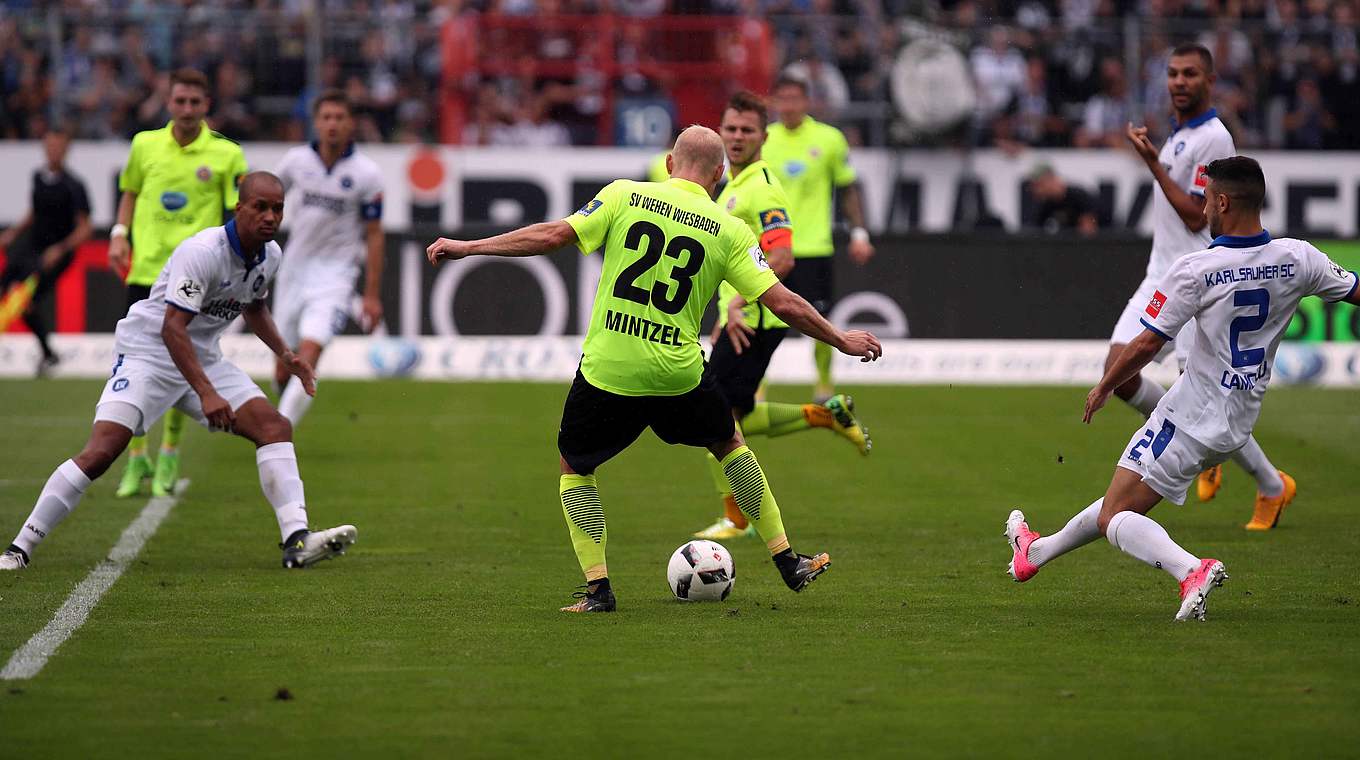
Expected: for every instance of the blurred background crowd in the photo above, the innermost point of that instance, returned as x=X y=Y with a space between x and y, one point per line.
x=1049 y=73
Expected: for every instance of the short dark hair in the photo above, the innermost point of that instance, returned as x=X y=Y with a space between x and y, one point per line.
x=1194 y=48
x=333 y=95
x=745 y=101
x=247 y=188
x=191 y=77
x=788 y=80
x=1239 y=178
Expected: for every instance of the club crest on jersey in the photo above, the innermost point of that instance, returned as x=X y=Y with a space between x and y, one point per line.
x=590 y=207
x=1201 y=175
x=204 y=174
x=773 y=219
x=257 y=285
x=1154 y=306
x=120 y=384
x=758 y=256
x=189 y=290
x=732 y=204
x=1180 y=146
x=346 y=182
x=815 y=152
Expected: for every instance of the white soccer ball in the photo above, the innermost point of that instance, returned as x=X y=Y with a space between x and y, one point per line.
x=701 y=571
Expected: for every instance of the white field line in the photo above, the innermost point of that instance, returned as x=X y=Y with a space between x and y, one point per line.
x=29 y=659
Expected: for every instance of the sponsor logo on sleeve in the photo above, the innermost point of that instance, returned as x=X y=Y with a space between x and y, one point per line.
x=1154 y=306
x=1339 y=271
x=1202 y=175
x=590 y=207
x=758 y=256
x=773 y=219
x=189 y=290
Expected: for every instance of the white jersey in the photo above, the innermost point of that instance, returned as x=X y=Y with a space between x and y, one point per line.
x=1185 y=156
x=207 y=275
x=1241 y=293
x=328 y=210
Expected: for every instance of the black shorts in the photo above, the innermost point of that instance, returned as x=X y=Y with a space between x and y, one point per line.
x=137 y=293
x=811 y=279
x=21 y=264
x=597 y=424
x=738 y=377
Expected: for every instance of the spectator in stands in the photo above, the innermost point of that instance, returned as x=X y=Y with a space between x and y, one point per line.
x=100 y=105
x=1055 y=206
x=532 y=128
x=1308 y=125
x=1106 y=115
x=999 y=70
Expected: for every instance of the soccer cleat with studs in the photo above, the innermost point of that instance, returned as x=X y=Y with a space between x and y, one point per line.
x=724 y=529
x=842 y=408
x=798 y=575
x=14 y=558
x=597 y=600
x=306 y=548
x=138 y=469
x=1019 y=537
x=1266 y=514
x=166 y=475
x=1208 y=482
x=1196 y=587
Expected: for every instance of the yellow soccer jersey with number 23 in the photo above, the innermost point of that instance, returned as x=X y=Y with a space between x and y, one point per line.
x=667 y=246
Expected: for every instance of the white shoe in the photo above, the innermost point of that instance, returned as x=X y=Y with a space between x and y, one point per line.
x=12 y=560
x=319 y=545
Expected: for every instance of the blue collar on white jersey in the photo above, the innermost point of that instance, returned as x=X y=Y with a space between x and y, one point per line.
x=349 y=151
x=1242 y=241
x=1212 y=113
x=234 y=240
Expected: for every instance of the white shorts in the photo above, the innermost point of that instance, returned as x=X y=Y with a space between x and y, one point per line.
x=315 y=311
x=1168 y=459
x=1130 y=325
x=143 y=388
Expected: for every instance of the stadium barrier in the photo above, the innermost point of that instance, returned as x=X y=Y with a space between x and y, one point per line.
x=1313 y=194
x=554 y=359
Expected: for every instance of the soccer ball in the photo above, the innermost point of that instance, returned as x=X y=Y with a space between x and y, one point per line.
x=701 y=571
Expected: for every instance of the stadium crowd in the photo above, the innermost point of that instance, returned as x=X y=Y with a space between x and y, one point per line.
x=1047 y=72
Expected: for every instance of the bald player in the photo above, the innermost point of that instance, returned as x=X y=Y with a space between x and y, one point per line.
x=667 y=246
x=168 y=356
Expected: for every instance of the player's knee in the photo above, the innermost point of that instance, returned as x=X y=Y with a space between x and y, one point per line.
x=275 y=428
x=97 y=458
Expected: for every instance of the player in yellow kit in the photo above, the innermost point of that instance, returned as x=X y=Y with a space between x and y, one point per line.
x=812 y=159
x=747 y=334
x=179 y=180
x=666 y=248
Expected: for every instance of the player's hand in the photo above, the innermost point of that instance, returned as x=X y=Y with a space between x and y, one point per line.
x=120 y=255
x=51 y=255
x=372 y=313
x=445 y=249
x=299 y=368
x=862 y=344
x=218 y=411
x=739 y=333
x=8 y=237
x=861 y=251
x=1138 y=138
x=1094 y=401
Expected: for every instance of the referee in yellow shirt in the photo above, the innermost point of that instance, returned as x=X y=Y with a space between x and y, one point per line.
x=178 y=180
x=812 y=160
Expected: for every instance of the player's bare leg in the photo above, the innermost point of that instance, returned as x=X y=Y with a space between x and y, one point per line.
x=272 y=435
x=293 y=400
x=64 y=489
x=753 y=496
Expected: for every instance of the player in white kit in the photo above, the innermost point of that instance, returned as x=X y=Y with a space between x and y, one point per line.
x=1236 y=298
x=335 y=223
x=169 y=357
x=1179 y=227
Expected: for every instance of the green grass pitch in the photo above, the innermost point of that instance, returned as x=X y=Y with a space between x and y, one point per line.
x=439 y=635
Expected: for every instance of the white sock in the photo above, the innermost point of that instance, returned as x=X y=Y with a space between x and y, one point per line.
x=294 y=402
x=282 y=486
x=1079 y=531
x=1141 y=536
x=1146 y=397
x=57 y=500
x=1252 y=459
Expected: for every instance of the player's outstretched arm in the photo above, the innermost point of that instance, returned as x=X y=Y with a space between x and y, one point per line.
x=175 y=334
x=1136 y=356
x=792 y=308
x=1190 y=208
x=534 y=240
x=261 y=322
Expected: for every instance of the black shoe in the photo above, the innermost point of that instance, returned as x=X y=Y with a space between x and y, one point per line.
x=595 y=598
x=46 y=365
x=797 y=575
